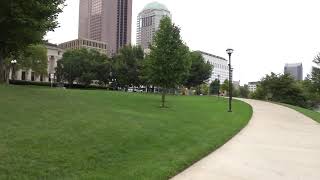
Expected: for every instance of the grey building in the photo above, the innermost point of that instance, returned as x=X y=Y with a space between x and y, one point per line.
x=236 y=85
x=295 y=70
x=148 y=23
x=54 y=54
x=102 y=47
x=220 y=66
x=252 y=86
x=106 y=21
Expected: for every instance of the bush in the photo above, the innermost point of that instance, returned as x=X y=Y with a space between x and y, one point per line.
x=280 y=88
x=48 y=84
x=31 y=83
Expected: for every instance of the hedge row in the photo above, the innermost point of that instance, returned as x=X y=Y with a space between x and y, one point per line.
x=48 y=84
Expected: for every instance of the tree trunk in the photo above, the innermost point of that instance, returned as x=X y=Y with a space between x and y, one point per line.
x=2 y=71
x=6 y=75
x=163 y=98
x=70 y=83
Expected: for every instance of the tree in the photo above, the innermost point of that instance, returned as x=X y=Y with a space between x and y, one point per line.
x=280 y=88
x=168 y=62
x=203 y=89
x=128 y=66
x=200 y=70
x=315 y=80
x=24 y=23
x=70 y=67
x=258 y=94
x=311 y=85
x=235 y=92
x=317 y=59
x=244 y=91
x=34 y=57
x=215 y=87
x=104 y=72
x=82 y=65
x=315 y=76
x=225 y=86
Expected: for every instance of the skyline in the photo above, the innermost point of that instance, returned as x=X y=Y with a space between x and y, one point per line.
x=106 y=21
x=265 y=35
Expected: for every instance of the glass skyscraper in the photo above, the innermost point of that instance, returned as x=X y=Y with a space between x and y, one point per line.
x=107 y=21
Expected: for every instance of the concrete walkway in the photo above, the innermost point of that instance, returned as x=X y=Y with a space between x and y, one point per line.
x=278 y=143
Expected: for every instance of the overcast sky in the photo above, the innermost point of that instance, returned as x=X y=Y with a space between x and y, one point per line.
x=265 y=34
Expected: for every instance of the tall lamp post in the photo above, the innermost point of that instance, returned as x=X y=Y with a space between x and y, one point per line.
x=13 y=73
x=229 y=52
x=219 y=86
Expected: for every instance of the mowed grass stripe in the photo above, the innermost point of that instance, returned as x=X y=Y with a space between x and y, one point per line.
x=76 y=134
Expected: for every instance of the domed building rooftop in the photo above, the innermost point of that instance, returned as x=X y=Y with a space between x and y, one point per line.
x=155 y=5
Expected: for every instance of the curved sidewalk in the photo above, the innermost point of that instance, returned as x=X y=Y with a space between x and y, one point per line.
x=278 y=144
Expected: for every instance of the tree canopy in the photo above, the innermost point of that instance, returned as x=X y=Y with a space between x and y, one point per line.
x=280 y=88
x=128 y=66
x=317 y=59
x=83 y=66
x=24 y=23
x=225 y=86
x=215 y=87
x=34 y=57
x=200 y=70
x=244 y=91
x=168 y=61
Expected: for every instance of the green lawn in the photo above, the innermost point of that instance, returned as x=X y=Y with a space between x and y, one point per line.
x=73 y=134
x=312 y=114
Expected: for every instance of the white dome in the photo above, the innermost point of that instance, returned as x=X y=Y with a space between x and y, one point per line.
x=155 y=5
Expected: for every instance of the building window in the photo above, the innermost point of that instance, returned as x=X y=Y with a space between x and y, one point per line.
x=41 y=78
x=23 y=76
x=32 y=76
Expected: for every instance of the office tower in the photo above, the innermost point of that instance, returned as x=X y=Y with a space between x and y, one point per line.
x=148 y=23
x=220 y=66
x=108 y=21
x=252 y=86
x=295 y=70
x=85 y=43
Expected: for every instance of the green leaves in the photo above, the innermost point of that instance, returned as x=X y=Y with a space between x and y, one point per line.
x=25 y=22
x=317 y=59
x=280 y=88
x=215 y=87
x=128 y=66
x=34 y=57
x=168 y=61
x=83 y=66
x=200 y=70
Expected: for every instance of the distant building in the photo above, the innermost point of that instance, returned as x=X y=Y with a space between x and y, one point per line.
x=252 y=86
x=220 y=69
x=54 y=54
x=106 y=21
x=148 y=22
x=236 y=84
x=295 y=70
x=102 y=47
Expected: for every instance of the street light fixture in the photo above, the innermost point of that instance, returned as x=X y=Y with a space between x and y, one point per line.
x=229 y=52
x=13 y=74
x=219 y=86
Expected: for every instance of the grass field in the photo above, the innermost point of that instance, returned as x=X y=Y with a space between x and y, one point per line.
x=73 y=134
x=311 y=114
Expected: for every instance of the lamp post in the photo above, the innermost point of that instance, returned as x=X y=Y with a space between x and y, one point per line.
x=219 y=86
x=13 y=74
x=229 y=52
